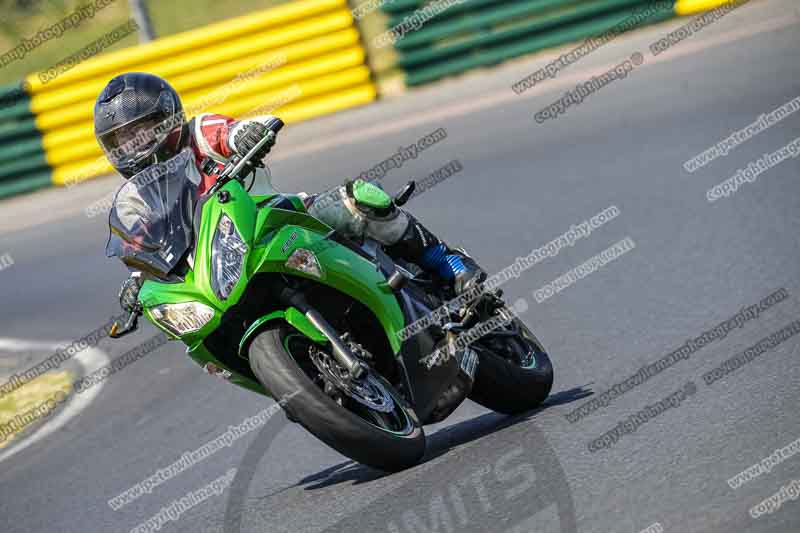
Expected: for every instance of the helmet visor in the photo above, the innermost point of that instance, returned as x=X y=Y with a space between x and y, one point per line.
x=128 y=143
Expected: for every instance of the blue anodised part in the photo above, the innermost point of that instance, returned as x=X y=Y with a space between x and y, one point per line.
x=454 y=266
x=433 y=256
x=436 y=259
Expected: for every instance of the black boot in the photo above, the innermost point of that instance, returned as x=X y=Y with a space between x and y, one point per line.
x=470 y=276
x=421 y=247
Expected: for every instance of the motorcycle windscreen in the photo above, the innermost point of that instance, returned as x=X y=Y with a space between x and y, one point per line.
x=151 y=219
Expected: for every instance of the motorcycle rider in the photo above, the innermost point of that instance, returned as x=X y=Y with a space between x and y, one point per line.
x=139 y=121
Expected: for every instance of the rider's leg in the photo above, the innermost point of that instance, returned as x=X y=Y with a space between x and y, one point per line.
x=362 y=209
x=420 y=246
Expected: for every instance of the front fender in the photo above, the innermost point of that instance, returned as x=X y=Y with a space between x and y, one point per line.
x=291 y=315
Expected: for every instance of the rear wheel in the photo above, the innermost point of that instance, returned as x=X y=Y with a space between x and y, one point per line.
x=366 y=420
x=514 y=373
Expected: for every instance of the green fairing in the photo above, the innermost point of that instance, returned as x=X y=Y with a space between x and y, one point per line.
x=272 y=235
x=201 y=356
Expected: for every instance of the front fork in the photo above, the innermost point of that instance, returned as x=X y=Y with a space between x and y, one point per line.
x=341 y=352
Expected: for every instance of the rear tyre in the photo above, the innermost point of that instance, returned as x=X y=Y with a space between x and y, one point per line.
x=389 y=441
x=515 y=378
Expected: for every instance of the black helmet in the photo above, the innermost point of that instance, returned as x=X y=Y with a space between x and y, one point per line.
x=138 y=121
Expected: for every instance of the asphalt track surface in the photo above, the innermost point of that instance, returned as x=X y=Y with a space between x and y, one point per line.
x=695 y=265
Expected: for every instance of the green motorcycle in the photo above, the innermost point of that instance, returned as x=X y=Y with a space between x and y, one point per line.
x=277 y=302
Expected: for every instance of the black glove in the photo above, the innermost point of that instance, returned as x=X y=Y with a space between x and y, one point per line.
x=129 y=293
x=248 y=136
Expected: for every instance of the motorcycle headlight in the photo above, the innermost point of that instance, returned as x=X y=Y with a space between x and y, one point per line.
x=227 y=256
x=183 y=318
x=304 y=261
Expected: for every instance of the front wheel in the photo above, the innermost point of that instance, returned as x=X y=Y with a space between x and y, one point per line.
x=367 y=420
x=514 y=371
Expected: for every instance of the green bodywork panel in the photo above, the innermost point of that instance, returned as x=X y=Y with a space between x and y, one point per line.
x=371 y=195
x=272 y=235
x=202 y=356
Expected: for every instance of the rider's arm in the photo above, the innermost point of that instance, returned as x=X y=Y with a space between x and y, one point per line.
x=220 y=137
x=129 y=292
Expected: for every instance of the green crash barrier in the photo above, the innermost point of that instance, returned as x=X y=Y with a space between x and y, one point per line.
x=477 y=58
x=15 y=102
x=510 y=14
x=399 y=10
x=20 y=148
x=546 y=39
x=479 y=33
x=400 y=6
x=12 y=130
x=23 y=166
x=17 y=110
x=26 y=183
x=13 y=92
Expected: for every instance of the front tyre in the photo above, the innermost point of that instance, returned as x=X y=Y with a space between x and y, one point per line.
x=514 y=373
x=387 y=438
